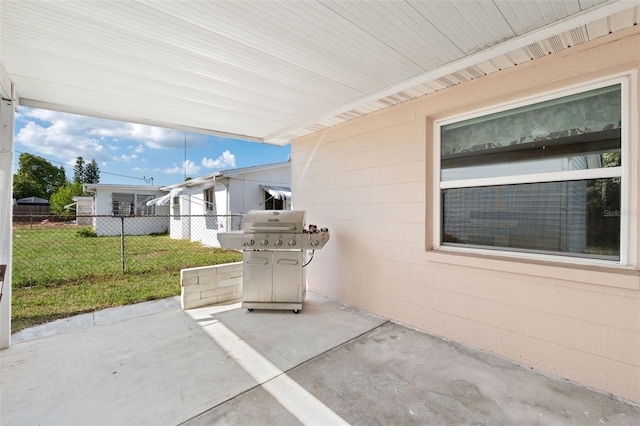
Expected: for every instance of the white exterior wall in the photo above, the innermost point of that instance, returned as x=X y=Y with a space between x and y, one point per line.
x=370 y=182
x=200 y=226
x=180 y=223
x=84 y=207
x=140 y=225
x=195 y=196
x=243 y=198
x=133 y=225
x=246 y=193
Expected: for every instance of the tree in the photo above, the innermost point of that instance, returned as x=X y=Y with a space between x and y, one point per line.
x=64 y=196
x=36 y=177
x=78 y=171
x=92 y=172
x=62 y=176
x=86 y=173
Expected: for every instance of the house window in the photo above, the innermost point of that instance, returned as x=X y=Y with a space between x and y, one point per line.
x=273 y=203
x=209 y=201
x=122 y=204
x=175 y=204
x=131 y=204
x=142 y=209
x=547 y=177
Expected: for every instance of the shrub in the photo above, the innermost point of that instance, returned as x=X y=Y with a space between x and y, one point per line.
x=86 y=232
x=64 y=197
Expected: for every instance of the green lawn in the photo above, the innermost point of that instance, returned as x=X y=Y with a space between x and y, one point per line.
x=57 y=273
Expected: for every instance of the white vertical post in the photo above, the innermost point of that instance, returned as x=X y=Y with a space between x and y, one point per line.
x=6 y=214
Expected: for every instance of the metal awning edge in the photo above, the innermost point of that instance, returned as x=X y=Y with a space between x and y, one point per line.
x=278 y=192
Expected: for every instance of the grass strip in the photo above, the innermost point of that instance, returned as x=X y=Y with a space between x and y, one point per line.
x=57 y=273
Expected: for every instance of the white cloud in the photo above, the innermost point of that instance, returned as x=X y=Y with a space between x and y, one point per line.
x=128 y=157
x=157 y=137
x=226 y=159
x=58 y=142
x=192 y=168
x=57 y=133
x=116 y=146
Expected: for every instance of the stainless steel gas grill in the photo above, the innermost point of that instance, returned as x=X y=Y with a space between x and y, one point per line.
x=274 y=244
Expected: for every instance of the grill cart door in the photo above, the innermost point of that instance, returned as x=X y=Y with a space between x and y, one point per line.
x=288 y=276
x=256 y=276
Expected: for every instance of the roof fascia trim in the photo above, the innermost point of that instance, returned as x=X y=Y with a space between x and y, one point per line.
x=93 y=187
x=235 y=172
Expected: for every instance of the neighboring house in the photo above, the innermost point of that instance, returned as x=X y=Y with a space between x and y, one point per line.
x=195 y=210
x=204 y=206
x=110 y=202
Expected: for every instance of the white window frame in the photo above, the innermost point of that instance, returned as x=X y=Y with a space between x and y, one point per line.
x=627 y=173
x=209 y=205
x=146 y=210
x=130 y=204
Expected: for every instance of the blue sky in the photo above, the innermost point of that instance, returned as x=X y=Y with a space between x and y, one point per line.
x=129 y=153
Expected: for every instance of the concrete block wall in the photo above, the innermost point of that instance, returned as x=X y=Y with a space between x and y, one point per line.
x=208 y=285
x=371 y=182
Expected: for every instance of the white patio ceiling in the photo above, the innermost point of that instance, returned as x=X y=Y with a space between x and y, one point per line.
x=271 y=71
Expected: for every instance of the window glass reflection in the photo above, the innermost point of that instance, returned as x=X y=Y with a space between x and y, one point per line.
x=578 y=218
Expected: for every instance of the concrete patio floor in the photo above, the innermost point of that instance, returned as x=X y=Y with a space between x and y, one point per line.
x=156 y=364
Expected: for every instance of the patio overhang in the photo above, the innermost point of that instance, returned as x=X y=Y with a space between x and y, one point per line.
x=266 y=71
x=273 y=71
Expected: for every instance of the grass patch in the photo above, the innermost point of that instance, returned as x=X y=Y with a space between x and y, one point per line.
x=57 y=273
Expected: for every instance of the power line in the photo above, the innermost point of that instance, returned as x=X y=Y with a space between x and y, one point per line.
x=101 y=171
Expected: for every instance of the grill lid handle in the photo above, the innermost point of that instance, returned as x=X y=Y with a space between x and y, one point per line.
x=272 y=228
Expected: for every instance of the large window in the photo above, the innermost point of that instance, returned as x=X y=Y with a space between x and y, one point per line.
x=546 y=177
x=132 y=204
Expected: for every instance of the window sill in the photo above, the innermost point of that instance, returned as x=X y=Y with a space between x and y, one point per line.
x=607 y=276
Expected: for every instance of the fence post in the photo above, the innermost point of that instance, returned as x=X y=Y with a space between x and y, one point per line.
x=122 y=241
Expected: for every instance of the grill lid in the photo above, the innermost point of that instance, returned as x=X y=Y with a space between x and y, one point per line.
x=275 y=221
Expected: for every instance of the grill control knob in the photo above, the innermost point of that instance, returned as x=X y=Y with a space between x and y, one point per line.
x=250 y=242
x=315 y=243
x=278 y=243
x=264 y=242
x=292 y=243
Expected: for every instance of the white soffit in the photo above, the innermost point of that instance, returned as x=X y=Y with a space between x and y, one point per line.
x=269 y=70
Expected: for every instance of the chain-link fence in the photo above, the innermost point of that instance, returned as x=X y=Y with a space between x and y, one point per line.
x=48 y=250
